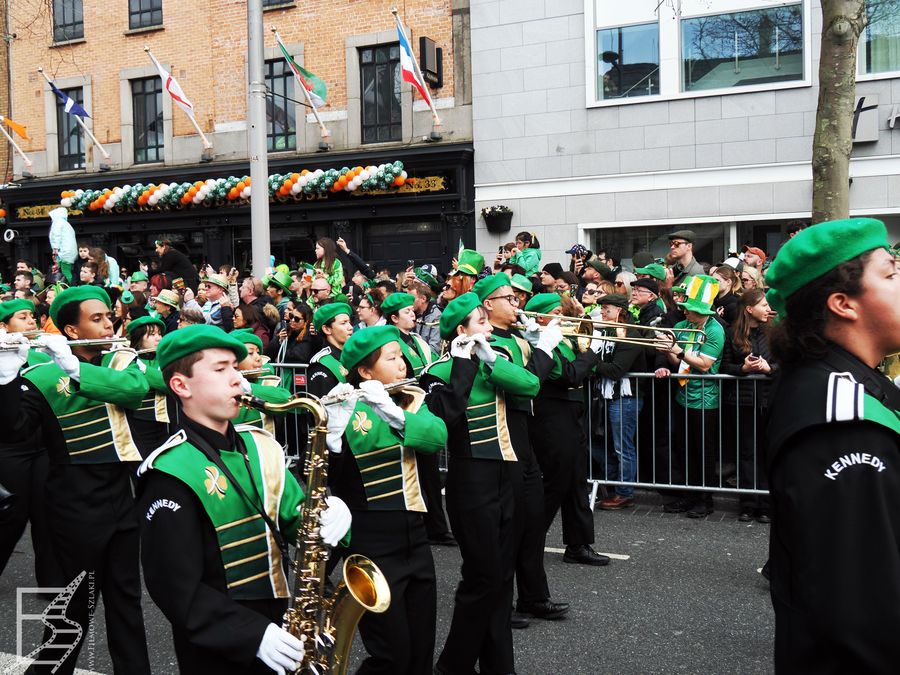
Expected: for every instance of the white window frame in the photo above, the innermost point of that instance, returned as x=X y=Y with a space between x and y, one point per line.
x=670 y=53
x=870 y=77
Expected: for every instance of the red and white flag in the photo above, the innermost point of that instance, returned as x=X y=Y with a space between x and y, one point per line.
x=170 y=84
x=409 y=70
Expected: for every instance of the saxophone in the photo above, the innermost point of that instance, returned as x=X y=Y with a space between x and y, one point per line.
x=325 y=623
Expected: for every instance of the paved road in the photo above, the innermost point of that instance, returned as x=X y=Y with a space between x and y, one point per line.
x=688 y=599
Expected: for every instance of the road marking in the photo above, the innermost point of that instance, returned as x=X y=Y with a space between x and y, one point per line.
x=614 y=556
x=10 y=663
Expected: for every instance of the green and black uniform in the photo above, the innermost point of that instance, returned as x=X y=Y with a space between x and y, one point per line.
x=89 y=495
x=471 y=398
x=376 y=476
x=325 y=371
x=210 y=561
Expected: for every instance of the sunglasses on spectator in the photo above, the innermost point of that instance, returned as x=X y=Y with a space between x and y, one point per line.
x=296 y=317
x=675 y=243
x=318 y=290
x=620 y=283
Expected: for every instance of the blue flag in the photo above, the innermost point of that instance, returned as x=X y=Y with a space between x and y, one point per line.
x=69 y=105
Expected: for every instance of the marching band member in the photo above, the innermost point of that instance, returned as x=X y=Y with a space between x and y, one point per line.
x=264 y=384
x=75 y=400
x=467 y=388
x=149 y=424
x=375 y=441
x=834 y=451
x=334 y=323
x=217 y=508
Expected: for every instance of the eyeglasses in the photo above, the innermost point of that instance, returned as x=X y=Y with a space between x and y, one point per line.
x=641 y=289
x=592 y=291
x=511 y=299
x=675 y=243
x=318 y=290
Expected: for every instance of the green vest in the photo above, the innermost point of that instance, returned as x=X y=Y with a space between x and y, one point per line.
x=486 y=410
x=564 y=352
x=519 y=351
x=89 y=413
x=387 y=462
x=268 y=390
x=325 y=358
x=250 y=555
x=419 y=353
x=154 y=405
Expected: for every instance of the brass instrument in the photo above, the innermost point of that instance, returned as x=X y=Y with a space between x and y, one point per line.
x=326 y=624
x=34 y=344
x=430 y=324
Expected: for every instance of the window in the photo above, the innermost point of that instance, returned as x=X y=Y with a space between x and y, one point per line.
x=68 y=20
x=146 y=101
x=281 y=125
x=144 y=13
x=70 y=139
x=274 y=3
x=628 y=61
x=379 y=68
x=880 y=42
x=742 y=48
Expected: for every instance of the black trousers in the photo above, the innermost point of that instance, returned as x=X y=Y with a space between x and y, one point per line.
x=24 y=472
x=695 y=446
x=94 y=530
x=530 y=533
x=751 y=443
x=430 y=481
x=401 y=640
x=560 y=447
x=481 y=508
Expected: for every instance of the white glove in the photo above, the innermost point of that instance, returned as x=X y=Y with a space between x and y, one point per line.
x=374 y=393
x=461 y=347
x=57 y=347
x=532 y=331
x=339 y=414
x=334 y=521
x=12 y=360
x=550 y=337
x=483 y=350
x=598 y=340
x=245 y=385
x=280 y=650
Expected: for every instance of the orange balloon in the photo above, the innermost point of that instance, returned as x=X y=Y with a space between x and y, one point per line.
x=399 y=180
x=2 y=213
x=233 y=194
x=240 y=186
x=304 y=172
x=287 y=184
x=295 y=177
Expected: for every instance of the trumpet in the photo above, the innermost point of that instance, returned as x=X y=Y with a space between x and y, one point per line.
x=34 y=344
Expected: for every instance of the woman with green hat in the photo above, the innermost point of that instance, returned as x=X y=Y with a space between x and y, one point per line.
x=334 y=323
x=375 y=439
x=467 y=389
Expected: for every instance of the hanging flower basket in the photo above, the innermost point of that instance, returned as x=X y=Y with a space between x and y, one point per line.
x=497 y=218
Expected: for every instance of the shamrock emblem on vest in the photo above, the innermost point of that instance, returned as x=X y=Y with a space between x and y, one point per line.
x=361 y=422
x=215 y=482
x=62 y=387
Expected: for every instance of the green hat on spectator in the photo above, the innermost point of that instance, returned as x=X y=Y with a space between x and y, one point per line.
x=522 y=283
x=195 y=338
x=456 y=311
x=248 y=337
x=326 y=313
x=543 y=303
x=655 y=270
x=77 y=294
x=815 y=251
x=484 y=287
x=364 y=342
x=280 y=279
x=395 y=302
x=10 y=307
x=428 y=279
x=146 y=321
x=701 y=291
x=470 y=262
x=140 y=275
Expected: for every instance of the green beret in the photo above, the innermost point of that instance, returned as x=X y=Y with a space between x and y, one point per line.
x=484 y=287
x=815 y=251
x=395 y=302
x=140 y=275
x=76 y=294
x=197 y=337
x=456 y=311
x=326 y=313
x=146 y=321
x=543 y=303
x=654 y=270
x=522 y=283
x=248 y=337
x=10 y=307
x=364 y=342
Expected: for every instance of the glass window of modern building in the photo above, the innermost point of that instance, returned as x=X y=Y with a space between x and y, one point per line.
x=879 y=44
x=628 y=61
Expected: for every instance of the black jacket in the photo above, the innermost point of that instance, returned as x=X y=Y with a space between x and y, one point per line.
x=733 y=360
x=176 y=264
x=729 y=304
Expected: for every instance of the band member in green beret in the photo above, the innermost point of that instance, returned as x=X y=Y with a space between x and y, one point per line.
x=77 y=401
x=834 y=451
x=334 y=322
x=150 y=422
x=217 y=510
x=23 y=466
x=502 y=306
x=260 y=381
x=375 y=441
x=468 y=389
x=559 y=441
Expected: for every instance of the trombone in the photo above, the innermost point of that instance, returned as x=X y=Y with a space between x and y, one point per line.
x=582 y=328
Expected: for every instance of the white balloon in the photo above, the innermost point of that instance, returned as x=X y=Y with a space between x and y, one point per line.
x=210 y=182
x=296 y=188
x=108 y=205
x=404 y=174
x=66 y=201
x=126 y=188
x=79 y=192
x=303 y=181
x=245 y=193
x=364 y=174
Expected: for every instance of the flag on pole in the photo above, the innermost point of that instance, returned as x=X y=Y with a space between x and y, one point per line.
x=69 y=105
x=408 y=69
x=313 y=84
x=170 y=84
x=18 y=128
x=460 y=249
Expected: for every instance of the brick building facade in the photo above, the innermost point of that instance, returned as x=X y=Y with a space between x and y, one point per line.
x=5 y=160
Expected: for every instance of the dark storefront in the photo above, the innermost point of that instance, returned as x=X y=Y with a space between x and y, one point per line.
x=422 y=222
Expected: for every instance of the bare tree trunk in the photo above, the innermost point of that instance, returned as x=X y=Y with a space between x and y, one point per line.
x=842 y=23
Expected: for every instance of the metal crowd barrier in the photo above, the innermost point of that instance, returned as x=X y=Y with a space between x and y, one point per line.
x=671 y=445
